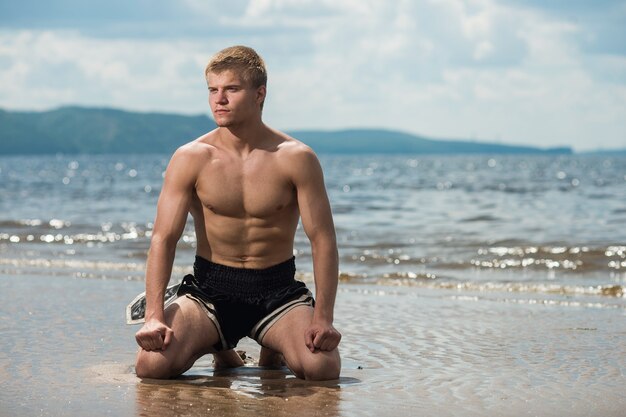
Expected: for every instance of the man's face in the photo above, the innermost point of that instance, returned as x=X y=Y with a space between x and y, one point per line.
x=233 y=101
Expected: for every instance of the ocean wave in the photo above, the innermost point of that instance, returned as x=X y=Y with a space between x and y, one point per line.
x=545 y=301
x=424 y=280
x=574 y=258
x=434 y=281
x=481 y=218
x=140 y=235
x=35 y=223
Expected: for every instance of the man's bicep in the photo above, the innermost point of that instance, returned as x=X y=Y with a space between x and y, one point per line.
x=172 y=210
x=312 y=199
x=175 y=198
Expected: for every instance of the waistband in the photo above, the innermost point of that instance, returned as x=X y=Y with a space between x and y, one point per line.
x=244 y=281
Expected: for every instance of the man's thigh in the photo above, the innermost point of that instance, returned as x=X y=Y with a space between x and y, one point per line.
x=194 y=335
x=287 y=337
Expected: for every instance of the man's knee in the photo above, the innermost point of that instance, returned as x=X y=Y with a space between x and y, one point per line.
x=320 y=366
x=154 y=365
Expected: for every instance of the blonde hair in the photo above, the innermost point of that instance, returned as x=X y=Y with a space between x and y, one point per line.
x=242 y=60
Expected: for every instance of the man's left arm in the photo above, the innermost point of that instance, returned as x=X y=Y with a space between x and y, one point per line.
x=317 y=221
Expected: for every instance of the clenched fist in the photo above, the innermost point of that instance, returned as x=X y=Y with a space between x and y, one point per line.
x=321 y=336
x=154 y=335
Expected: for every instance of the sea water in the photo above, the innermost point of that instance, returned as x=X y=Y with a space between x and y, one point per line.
x=528 y=228
x=470 y=285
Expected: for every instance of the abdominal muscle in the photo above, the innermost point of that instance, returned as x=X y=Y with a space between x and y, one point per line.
x=246 y=242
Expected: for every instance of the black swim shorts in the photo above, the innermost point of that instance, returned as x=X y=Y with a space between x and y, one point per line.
x=244 y=302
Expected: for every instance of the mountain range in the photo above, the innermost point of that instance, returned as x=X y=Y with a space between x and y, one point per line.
x=82 y=130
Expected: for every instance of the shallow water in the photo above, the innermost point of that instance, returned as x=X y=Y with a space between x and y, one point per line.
x=406 y=351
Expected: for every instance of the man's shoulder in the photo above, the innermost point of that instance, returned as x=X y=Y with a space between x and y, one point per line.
x=199 y=148
x=296 y=157
x=293 y=147
x=190 y=158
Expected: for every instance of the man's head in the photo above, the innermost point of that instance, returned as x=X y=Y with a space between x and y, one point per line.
x=241 y=60
x=233 y=74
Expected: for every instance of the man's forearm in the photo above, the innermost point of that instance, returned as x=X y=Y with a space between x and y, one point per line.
x=325 y=270
x=158 y=272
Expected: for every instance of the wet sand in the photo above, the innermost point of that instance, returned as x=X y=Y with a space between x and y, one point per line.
x=406 y=351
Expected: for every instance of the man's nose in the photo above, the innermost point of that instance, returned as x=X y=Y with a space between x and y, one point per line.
x=220 y=97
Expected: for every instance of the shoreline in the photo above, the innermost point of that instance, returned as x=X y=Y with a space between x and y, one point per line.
x=405 y=351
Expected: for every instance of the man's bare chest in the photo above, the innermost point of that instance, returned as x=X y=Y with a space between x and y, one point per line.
x=244 y=191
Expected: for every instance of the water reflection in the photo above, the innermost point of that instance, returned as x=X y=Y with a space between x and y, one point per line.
x=248 y=390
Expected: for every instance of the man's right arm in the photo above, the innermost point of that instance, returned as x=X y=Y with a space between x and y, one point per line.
x=172 y=209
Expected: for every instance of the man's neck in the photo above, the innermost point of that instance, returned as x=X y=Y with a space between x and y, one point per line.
x=244 y=138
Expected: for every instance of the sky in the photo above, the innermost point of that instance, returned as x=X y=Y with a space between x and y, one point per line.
x=537 y=72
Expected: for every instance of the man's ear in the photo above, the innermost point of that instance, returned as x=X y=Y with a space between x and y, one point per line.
x=260 y=94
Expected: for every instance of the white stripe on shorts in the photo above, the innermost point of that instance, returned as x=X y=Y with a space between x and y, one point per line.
x=260 y=329
x=209 y=309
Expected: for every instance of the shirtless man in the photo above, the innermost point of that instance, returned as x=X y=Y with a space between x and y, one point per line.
x=246 y=186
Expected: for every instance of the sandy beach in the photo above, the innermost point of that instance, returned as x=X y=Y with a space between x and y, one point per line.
x=406 y=351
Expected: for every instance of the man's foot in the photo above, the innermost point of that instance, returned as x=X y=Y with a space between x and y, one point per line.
x=270 y=358
x=227 y=359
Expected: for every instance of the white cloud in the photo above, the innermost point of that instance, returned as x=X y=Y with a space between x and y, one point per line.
x=48 y=69
x=404 y=76
x=446 y=68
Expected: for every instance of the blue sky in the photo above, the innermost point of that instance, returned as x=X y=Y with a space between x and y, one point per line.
x=544 y=73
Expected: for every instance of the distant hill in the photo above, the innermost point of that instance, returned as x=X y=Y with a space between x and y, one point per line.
x=606 y=152
x=73 y=130
x=389 y=141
